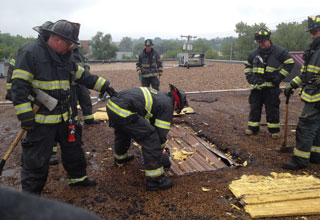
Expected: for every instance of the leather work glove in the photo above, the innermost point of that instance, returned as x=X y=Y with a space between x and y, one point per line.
x=288 y=90
x=316 y=80
x=27 y=124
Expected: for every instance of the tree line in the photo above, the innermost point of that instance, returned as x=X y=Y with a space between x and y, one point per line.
x=291 y=36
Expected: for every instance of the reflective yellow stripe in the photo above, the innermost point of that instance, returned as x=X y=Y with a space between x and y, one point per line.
x=51 y=85
x=288 y=61
x=9 y=86
x=310 y=98
x=100 y=82
x=51 y=119
x=253 y=124
x=154 y=173
x=55 y=149
x=315 y=149
x=120 y=157
x=270 y=69
x=297 y=81
x=313 y=69
x=272 y=125
x=247 y=70
x=12 y=62
x=148 y=102
x=149 y=75
x=258 y=70
x=23 y=108
x=162 y=124
x=79 y=73
x=76 y=180
x=247 y=63
x=119 y=111
x=284 y=72
x=22 y=74
x=86 y=117
x=299 y=153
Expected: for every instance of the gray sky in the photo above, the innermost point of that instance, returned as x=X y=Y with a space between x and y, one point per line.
x=167 y=19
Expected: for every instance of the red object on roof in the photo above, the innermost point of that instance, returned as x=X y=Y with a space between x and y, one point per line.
x=297 y=57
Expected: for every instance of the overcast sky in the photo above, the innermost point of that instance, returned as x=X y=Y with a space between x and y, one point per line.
x=167 y=19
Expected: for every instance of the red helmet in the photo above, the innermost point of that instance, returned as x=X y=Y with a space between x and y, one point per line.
x=66 y=29
x=179 y=97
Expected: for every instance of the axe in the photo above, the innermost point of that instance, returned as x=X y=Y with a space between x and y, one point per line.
x=284 y=148
x=44 y=99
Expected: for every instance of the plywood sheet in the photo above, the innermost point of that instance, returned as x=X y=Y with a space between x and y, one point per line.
x=280 y=194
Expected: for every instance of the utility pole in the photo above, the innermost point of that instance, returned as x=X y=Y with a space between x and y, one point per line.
x=188 y=46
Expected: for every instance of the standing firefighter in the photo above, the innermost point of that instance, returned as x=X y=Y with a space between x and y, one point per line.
x=265 y=68
x=145 y=115
x=46 y=65
x=308 y=129
x=149 y=66
x=82 y=94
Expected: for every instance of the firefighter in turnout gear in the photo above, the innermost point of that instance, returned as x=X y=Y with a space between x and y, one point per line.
x=149 y=66
x=82 y=94
x=308 y=129
x=9 y=78
x=145 y=114
x=265 y=68
x=46 y=65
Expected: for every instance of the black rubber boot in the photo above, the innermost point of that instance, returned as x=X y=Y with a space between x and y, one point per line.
x=85 y=182
x=158 y=183
x=124 y=160
x=91 y=122
x=293 y=165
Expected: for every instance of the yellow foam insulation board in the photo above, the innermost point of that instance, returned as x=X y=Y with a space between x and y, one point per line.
x=102 y=109
x=101 y=116
x=280 y=194
x=186 y=110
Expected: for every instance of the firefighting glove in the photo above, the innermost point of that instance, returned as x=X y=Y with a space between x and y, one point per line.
x=288 y=90
x=316 y=80
x=111 y=91
x=8 y=96
x=160 y=71
x=27 y=124
x=250 y=78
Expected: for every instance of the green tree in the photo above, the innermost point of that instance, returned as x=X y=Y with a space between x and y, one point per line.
x=138 y=47
x=102 y=46
x=126 y=44
x=212 y=54
x=291 y=36
x=201 y=45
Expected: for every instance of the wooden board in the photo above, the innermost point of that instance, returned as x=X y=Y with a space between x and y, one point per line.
x=278 y=194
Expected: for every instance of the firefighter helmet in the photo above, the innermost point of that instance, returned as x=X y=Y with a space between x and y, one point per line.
x=148 y=42
x=66 y=29
x=262 y=34
x=46 y=25
x=313 y=22
x=179 y=97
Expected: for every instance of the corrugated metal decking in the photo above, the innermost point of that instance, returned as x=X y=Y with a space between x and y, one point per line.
x=198 y=155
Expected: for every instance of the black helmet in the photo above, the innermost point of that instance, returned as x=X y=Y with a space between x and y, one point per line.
x=148 y=42
x=46 y=25
x=313 y=22
x=66 y=29
x=262 y=34
x=179 y=97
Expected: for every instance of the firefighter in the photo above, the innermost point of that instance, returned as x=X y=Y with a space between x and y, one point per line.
x=9 y=78
x=46 y=65
x=308 y=129
x=145 y=114
x=149 y=66
x=82 y=94
x=265 y=68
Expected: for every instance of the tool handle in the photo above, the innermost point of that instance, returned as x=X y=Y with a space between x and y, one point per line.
x=15 y=142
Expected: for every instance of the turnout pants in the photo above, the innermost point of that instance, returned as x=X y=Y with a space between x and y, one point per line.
x=308 y=135
x=269 y=97
x=143 y=133
x=36 y=152
x=153 y=81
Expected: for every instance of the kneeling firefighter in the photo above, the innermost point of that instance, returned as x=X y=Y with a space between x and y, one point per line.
x=145 y=115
